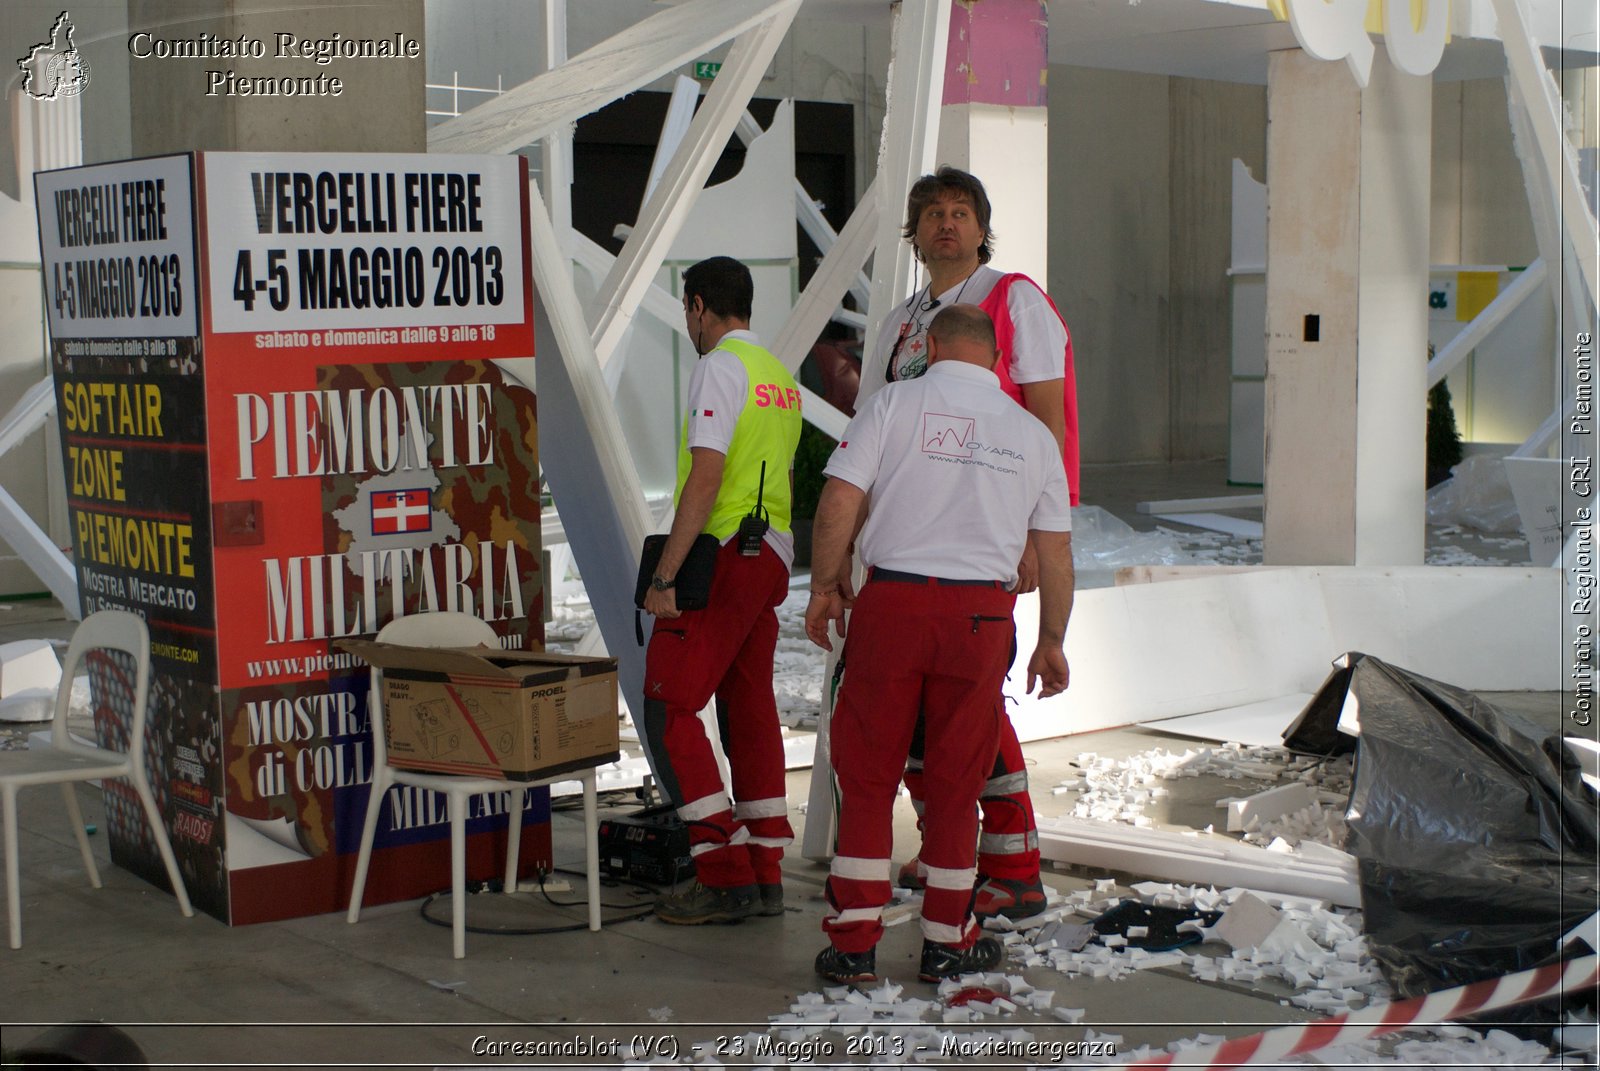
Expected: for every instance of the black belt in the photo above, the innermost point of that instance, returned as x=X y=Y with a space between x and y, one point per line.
x=897 y=577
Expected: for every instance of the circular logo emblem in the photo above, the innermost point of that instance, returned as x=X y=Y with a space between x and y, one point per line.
x=67 y=73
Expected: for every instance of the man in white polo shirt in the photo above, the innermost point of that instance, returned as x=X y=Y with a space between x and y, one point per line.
x=946 y=479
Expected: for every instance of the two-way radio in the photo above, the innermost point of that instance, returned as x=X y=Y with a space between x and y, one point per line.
x=755 y=524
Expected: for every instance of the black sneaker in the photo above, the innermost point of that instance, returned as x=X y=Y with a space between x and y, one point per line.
x=848 y=968
x=771 y=902
x=700 y=904
x=946 y=961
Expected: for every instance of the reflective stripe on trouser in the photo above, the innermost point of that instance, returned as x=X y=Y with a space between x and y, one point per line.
x=724 y=651
x=767 y=822
x=910 y=643
x=1009 y=846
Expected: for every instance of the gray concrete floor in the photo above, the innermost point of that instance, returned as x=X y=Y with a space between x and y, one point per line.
x=386 y=992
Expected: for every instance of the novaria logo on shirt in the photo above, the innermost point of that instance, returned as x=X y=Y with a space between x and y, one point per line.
x=948 y=435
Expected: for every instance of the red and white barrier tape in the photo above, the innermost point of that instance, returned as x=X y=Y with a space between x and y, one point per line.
x=1443 y=1006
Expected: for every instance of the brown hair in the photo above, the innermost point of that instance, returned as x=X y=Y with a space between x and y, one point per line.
x=948 y=182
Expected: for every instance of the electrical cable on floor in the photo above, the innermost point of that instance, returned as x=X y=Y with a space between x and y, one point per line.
x=616 y=797
x=572 y=928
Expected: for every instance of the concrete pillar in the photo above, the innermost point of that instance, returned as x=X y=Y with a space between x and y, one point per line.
x=1347 y=265
x=993 y=121
x=183 y=105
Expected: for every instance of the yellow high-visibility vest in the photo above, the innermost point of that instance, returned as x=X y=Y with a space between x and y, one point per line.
x=768 y=430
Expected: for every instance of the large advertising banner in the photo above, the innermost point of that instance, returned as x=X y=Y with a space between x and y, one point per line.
x=346 y=453
x=368 y=462
x=122 y=291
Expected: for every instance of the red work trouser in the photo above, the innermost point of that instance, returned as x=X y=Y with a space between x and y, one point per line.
x=1008 y=846
x=941 y=650
x=725 y=650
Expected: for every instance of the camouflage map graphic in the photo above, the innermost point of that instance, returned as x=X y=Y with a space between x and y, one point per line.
x=494 y=503
x=498 y=503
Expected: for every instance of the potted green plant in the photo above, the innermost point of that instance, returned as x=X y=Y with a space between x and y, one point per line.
x=1445 y=450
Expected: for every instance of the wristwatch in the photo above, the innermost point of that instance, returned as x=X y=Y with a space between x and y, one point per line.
x=661 y=583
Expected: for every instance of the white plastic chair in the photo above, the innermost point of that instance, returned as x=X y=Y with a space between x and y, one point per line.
x=68 y=760
x=450 y=629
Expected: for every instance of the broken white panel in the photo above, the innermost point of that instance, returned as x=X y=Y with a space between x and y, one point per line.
x=1196 y=858
x=1251 y=923
x=1536 y=484
x=1259 y=724
x=1451 y=623
x=808 y=212
x=1149 y=651
x=28 y=664
x=1199 y=505
x=1143 y=652
x=1587 y=753
x=1239 y=527
x=32 y=705
x=1587 y=931
x=1349 y=722
x=1265 y=806
x=661 y=220
x=750 y=217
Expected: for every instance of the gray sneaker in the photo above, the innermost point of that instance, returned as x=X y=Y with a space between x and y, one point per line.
x=699 y=904
x=771 y=900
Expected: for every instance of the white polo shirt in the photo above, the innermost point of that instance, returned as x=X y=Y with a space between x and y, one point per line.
x=957 y=473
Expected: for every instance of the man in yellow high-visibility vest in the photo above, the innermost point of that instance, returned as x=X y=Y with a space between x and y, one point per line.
x=734 y=459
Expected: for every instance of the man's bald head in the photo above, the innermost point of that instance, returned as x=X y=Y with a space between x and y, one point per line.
x=962 y=333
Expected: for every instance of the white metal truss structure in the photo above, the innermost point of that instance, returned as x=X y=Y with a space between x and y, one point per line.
x=32 y=545
x=1535 y=92
x=1563 y=225
x=44 y=138
x=582 y=448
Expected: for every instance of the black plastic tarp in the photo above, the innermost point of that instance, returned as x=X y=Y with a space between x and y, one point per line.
x=1474 y=835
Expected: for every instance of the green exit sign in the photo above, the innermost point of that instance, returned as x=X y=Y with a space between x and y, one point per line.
x=706 y=70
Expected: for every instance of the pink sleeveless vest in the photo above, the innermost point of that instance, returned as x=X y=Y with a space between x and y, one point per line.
x=1005 y=333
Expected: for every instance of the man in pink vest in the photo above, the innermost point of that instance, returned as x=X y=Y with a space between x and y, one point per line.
x=947 y=224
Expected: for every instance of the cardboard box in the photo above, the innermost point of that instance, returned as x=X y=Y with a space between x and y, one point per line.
x=516 y=715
